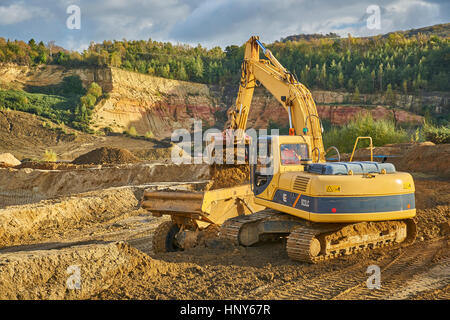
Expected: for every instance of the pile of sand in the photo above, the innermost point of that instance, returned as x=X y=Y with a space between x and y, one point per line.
x=225 y=176
x=106 y=155
x=428 y=158
x=8 y=160
x=19 y=224
x=78 y=272
x=425 y=157
x=433 y=207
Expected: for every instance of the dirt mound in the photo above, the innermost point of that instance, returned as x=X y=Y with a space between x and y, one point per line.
x=28 y=136
x=428 y=159
x=8 y=160
x=425 y=157
x=225 y=176
x=78 y=272
x=433 y=207
x=29 y=186
x=19 y=224
x=105 y=155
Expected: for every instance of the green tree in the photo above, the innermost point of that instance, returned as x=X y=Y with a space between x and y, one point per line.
x=356 y=98
x=95 y=90
x=390 y=97
x=116 y=59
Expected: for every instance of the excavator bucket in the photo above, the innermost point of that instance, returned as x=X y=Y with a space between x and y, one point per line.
x=205 y=207
x=166 y=202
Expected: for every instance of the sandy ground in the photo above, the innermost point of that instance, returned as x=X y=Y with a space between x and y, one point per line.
x=108 y=238
x=77 y=232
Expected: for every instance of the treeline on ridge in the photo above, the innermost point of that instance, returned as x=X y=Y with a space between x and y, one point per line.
x=407 y=64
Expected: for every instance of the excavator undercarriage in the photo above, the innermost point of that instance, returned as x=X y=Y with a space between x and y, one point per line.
x=313 y=242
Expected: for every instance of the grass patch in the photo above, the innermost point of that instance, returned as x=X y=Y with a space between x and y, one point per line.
x=56 y=108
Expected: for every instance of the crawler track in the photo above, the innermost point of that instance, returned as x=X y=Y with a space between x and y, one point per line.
x=231 y=228
x=304 y=243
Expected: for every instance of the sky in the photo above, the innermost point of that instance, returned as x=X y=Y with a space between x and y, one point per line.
x=209 y=22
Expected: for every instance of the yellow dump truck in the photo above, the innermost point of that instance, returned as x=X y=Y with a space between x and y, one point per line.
x=195 y=214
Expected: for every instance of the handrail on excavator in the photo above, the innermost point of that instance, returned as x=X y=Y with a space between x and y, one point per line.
x=371 y=147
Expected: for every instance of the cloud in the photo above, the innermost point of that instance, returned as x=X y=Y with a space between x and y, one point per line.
x=209 y=22
x=18 y=12
x=218 y=22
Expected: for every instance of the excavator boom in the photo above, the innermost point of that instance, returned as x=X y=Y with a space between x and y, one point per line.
x=283 y=85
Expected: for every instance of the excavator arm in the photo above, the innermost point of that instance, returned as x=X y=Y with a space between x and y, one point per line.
x=282 y=84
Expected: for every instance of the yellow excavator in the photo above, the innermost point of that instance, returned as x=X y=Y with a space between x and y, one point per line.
x=325 y=209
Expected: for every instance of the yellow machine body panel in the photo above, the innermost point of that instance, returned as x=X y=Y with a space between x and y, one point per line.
x=338 y=198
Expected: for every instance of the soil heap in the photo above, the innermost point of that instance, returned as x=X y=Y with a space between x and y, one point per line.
x=8 y=160
x=106 y=155
x=225 y=176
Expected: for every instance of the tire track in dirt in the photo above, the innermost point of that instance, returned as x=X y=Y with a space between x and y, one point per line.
x=349 y=282
x=319 y=286
x=435 y=294
x=414 y=261
x=436 y=278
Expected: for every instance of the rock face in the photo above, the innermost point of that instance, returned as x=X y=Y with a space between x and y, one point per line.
x=339 y=115
x=17 y=77
x=153 y=104
x=265 y=108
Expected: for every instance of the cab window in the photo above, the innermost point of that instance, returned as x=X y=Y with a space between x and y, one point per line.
x=264 y=157
x=293 y=153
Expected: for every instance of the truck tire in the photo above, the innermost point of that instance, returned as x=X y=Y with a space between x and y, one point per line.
x=164 y=238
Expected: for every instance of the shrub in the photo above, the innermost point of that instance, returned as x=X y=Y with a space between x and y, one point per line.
x=437 y=135
x=149 y=135
x=55 y=108
x=49 y=156
x=22 y=100
x=132 y=131
x=88 y=100
x=95 y=90
x=107 y=130
x=381 y=131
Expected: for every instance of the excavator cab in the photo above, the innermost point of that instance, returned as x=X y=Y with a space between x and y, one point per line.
x=277 y=154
